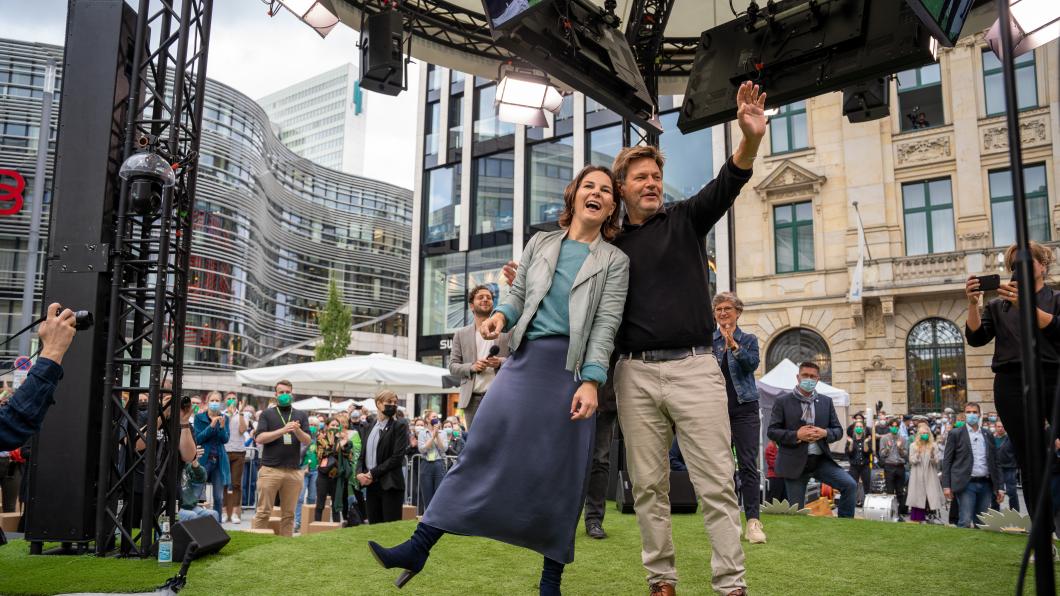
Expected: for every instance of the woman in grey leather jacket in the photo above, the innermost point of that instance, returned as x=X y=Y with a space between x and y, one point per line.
x=563 y=311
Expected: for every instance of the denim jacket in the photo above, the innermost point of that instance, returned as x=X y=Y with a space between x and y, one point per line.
x=742 y=363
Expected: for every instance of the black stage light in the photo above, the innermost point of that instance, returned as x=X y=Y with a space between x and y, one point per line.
x=868 y=100
x=382 y=53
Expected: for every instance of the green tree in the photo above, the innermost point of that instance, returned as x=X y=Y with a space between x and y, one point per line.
x=334 y=321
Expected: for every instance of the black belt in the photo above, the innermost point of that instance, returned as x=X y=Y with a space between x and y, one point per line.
x=665 y=354
x=980 y=479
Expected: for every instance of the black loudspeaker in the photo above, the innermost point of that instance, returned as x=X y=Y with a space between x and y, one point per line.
x=866 y=101
x=682 y=494
x=624 y=493
x=204 y=531
x=382 y=53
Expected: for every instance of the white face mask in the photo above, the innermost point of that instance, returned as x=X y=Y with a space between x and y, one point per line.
x=419 y=429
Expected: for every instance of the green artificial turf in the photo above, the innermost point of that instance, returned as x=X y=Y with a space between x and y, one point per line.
x=805 y=555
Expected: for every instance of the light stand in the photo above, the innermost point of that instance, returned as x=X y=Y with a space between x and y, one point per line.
x=1040 y=536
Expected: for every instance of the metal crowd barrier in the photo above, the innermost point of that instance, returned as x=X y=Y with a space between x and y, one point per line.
x=411 y=469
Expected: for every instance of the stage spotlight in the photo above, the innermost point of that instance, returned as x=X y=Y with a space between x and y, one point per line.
x=523 y=96
x=313 y=13
x=1034 y=23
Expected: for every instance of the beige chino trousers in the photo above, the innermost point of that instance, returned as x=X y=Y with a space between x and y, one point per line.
x=688 y=393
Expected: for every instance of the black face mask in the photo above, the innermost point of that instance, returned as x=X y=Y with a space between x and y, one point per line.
x=142 y=406
x=389 y=410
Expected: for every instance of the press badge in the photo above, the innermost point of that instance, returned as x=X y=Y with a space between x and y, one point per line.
x=287 y=439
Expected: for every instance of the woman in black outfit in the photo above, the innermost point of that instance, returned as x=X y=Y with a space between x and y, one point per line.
x=999 y=321
x=383 y=454
x=859 y=448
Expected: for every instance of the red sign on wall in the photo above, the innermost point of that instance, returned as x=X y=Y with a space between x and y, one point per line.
x=11 y=194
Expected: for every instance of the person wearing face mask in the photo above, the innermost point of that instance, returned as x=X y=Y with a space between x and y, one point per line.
x=211 y=433
x=358 y=424
x=859 y=452
x=803 y=424
x=237 y=456
x=253 y=461
x=970 y=473
x=432 y=444
x=925 y=492
x=281 y=432
x=379 y=467
x=563 y=311
x=335 y=457
x=308 y=494
x=456 y=439
x=1006 y=460
x=894 y=452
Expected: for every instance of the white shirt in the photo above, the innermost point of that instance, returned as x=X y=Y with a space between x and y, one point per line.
x=979 y=467
x=484 y=378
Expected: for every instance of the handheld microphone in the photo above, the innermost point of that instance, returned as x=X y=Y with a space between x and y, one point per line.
x=494 y=350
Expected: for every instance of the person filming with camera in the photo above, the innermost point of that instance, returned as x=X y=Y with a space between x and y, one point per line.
x=21 y=418
x=999 y=321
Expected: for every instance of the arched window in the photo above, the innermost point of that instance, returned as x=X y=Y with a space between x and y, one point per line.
x=800 y=345
x=935 y=358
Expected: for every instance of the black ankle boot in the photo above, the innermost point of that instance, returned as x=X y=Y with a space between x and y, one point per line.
x=410 y=555
x=551 y=576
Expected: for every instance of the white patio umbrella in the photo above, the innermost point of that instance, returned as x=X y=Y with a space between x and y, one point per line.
x=354 y=374
x=366 y=404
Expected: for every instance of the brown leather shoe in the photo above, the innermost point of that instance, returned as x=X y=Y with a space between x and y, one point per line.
x=738 y=592
x=662 y=589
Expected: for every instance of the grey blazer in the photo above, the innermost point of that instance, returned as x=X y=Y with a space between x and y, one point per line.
x=596 y=298
x=463 y=356
x=957 y=461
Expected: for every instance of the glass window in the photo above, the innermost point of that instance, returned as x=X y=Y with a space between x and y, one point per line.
x=430 y=145
x=920 y=97
x=801 y=345
x=787 y=130
x=487 y=125
x=551 y=169
x=444 y=288
x=434 y=77
x=936 y=371
x=928 y=217
x=443 y=204
x=689 y=159
x=494 y=182
x=793 y=237
x=603 y=145
x=1003 y=208
x=456 y=123
x=994 y=87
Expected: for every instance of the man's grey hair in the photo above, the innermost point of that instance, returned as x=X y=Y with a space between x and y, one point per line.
x=728 y=297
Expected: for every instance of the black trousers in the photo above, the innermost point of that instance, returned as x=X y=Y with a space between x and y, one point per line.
x=595 y=498
x=861 y=474
x=746 y=427
x=777 y=489
x=895 y=476
x=10 y=484
x=327 y=487
x=383 y=505
x=1008 y=397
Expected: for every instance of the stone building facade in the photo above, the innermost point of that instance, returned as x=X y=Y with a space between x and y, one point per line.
x=929 y=186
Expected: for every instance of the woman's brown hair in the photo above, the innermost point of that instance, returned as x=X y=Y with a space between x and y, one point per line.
x=612 y=224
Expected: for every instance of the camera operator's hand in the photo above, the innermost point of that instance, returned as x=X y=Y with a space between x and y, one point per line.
x=971 y=290
x=56 y=333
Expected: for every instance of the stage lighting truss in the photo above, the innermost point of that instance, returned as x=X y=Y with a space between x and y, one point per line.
x=311 y=12
x=524 y=94
x=1034 y=23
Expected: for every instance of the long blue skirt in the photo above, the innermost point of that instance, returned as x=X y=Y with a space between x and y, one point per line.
x=523 y=474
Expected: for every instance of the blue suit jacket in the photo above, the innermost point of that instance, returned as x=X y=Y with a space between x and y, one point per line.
x=21 y=418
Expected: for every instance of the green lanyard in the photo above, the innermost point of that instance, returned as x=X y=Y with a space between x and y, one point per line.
x=280 y=416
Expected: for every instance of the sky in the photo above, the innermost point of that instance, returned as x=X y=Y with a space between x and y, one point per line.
x=257 y=55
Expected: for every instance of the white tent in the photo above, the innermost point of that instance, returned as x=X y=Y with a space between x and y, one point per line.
x=367 y=404
x=313 y=404
x=782 y=380
x=355 y=374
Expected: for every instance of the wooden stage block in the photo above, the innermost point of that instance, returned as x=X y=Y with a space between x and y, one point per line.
x=820 y=508
x=309 y=511
x=322 y=526
x=274 y=523
x=9 y=521
x=260 y=531
x=408 y=512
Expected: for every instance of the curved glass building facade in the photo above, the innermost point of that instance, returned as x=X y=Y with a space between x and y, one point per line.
x=270 y=230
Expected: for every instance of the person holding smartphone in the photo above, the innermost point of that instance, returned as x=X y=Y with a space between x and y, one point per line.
x=999 y=321
x=432 y=443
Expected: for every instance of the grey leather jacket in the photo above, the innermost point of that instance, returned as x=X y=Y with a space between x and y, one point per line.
x=597 y=297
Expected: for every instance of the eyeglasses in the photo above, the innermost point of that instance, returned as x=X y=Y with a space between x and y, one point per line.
x=724 y=309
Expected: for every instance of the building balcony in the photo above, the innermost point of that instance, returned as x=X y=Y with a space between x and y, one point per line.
x=927 y=272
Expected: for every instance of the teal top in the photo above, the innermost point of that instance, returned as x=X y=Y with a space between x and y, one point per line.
x=553 y=314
